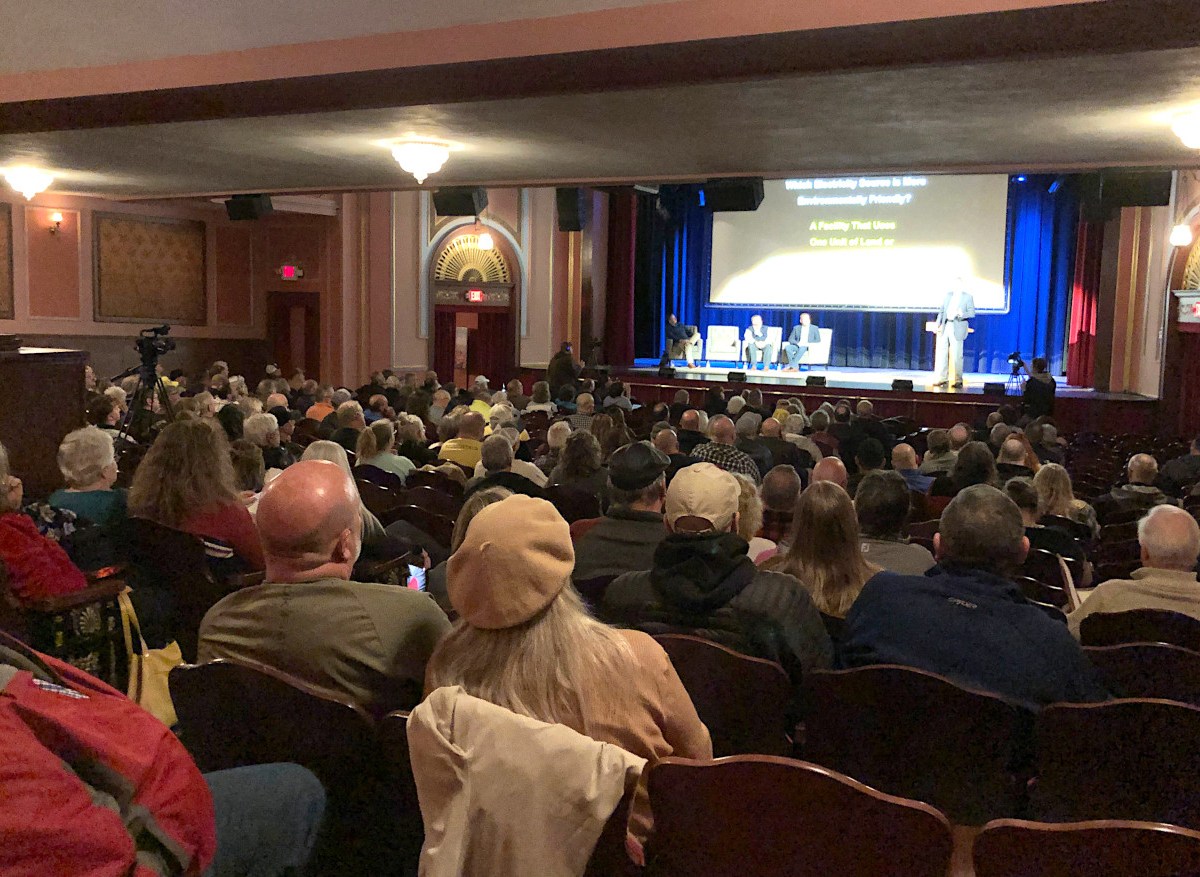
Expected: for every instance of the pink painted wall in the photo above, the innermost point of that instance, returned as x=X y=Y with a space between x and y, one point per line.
x=52 y=263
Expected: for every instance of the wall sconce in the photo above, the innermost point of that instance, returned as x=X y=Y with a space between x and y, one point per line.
x=56 y=220
x=1181 y=236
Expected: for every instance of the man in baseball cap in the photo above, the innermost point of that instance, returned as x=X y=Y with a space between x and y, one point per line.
x=624 y=539
x=702 y=582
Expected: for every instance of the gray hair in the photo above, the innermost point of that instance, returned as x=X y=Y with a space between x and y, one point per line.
x=982 y=528
x=1170 y=537
x=496 y=453
x=84 y=455
x=735 y=405
x=1049 y=434
x=748 y=424
x=999 y=433
x=795 y=424
x=258 y=429
x=340 y=396
x=409 y=427
x=702 y=417
x=116 y=394
x=819 y=420
x=557 y=435
x=512 y=434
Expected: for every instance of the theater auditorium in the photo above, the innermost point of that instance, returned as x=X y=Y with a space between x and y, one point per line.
x=600 y=438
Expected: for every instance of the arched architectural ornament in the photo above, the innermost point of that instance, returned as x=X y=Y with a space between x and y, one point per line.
x=464 y=261
x=1191 y=273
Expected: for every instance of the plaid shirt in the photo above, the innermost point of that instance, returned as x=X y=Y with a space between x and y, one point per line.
x=728 y=458
x=580 y=422
x=776 y=526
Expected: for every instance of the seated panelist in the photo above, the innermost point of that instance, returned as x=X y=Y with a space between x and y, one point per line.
x=803 y=335
x=682 y=340
x=755 y=348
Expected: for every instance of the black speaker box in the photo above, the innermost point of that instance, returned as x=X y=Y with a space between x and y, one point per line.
x=572 y=208
x=460 y=201
x=666 y=371
x=902 y=384
x=815 y=381
x=733 y=195
x=994 y=388
x=241 y=207
x=736 y=377
x=1137 y=188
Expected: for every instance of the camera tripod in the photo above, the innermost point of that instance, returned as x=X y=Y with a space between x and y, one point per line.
x=149 y=385
x=1016 y=384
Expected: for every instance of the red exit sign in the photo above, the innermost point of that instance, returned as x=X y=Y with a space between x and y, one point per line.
x=475 y=296
x=290 y=272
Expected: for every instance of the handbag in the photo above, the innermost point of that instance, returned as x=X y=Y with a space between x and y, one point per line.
x=148 y=668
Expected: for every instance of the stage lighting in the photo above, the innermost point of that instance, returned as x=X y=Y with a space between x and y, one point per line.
x=1021 y=178
x=1055 y=186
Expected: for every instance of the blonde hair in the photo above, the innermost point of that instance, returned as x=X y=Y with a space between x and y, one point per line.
x=187 y=469
x=825 y=553
x=376 y=439
x=84 y=455
x=1055 y=494
x=563 y=666
x=475 y=503
x=750 y=508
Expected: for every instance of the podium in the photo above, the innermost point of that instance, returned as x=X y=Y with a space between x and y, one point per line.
x=952 y=377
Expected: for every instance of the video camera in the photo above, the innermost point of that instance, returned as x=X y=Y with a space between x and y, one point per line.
x=153 y=342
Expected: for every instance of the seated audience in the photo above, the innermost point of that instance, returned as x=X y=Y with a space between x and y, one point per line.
x=374 y=536
x=821 y=436
x=714 y=401
x=618 y=396
x=323 y=406
x=868 y=457
x=794 y=429
x=581 y=466
x=960 y=435
x=966 y=620
x=262 y=430
x=438 y=406
x=376 y=447
x=411 y=442
x=748 y=442
x=305 y=397
x=690 y=434
x=365 y=642
x=681 y=403
x=824 y=552
x=186 y=482
x=1182 y=472
x=1012 y=463
x=465 y=447
x=1057 y=497
x=904 y=461
x=624 y=540
x=564 y=402
x=556 y=440
x=781 y=451
x=249 y=472
x=975 y=465
x=750 y=518
x=89 y=466
x=997 y=436
x=882 y=505
x=585 y=410
x=232 y=420
x=350 y=422
x=1048 y=449
x=735 y=407
x=780 y=490
x=35 y=567
x=1139 y=494
x=524 y=468
x=104 y=413
x=703 y=582
x=1022 y=492
x=516 y=395
x=722 y=452
x=377 y=408
x=1170 y=547
x=539 y=400
x=435 y=579
x=496 y=461
x=667 y=441
x=830 y=469
x=939 y=459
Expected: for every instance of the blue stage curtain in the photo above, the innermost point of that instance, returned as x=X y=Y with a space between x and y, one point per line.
x=674 y=276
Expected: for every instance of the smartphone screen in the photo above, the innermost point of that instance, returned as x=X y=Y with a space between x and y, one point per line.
x=416 y=577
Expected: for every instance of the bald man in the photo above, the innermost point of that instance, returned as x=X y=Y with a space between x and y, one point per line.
x=1010 y=463
x=904 y=461
x=367 y=643
x=667 y=441
x=1170 y=545
x=466 y=447
x=722 y=452
x=691 y=436
x=830 y=469
x=1139 y=493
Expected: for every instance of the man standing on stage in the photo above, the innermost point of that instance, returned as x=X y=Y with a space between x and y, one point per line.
x=681 y=342
x=804 y=334
x=755 y=348
x=957 y=308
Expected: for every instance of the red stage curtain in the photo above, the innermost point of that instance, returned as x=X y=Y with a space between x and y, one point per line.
x=1085 y=297
x=622 y=250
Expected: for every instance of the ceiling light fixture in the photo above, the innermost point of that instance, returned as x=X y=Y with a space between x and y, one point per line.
x=1181 y=235
x=483 y=239
x=1187 y=129
x=29 y=181
x=421 y=157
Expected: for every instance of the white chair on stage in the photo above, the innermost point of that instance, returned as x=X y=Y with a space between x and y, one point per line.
x=723 y=344
x=817 y=354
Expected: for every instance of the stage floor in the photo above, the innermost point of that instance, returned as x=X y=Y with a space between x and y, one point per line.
x=871 y=379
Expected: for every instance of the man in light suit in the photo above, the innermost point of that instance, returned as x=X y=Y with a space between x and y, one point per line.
x=957 y=308
x=804 y=334
x=755 y=348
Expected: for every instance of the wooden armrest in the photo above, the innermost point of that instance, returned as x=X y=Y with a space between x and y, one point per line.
x=105 y=590
x=388 y=565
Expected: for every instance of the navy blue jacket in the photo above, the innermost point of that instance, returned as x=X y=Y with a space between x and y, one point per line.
x=973 y=627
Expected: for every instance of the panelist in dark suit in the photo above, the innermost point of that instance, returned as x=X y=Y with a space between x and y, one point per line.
x=755 y=348
x=682 y=340
x=804 y=334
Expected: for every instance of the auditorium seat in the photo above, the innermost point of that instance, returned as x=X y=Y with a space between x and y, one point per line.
x=433 y=500
x=1140 y=626
x=1149 y=670
x=916 y=734
x=381 y=477
x=439 y=527
x=380 y=501
x=1124 y=759
x=1079 y=532
x=1107 y=571
x=1110 y=848
x=572 y=503
x=437 y=480
x=393 y=742
x=1055 y=576
x=744 y=702
x=763 y=816
x=592 y=590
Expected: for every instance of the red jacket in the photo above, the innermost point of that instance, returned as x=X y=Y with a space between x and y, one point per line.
x=91 y=785
x=37 y=566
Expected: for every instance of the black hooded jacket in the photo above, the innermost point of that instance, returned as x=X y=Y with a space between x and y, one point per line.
x=705 y=585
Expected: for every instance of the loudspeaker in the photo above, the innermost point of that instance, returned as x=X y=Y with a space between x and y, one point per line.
x=902 y=384
x=571 y=208
x=736 y=377
x=994 y=388
x=666 y=371
x=239 y=207
x=732 y=194
x=460 y=201
x=815 y=381
x=1102 y=194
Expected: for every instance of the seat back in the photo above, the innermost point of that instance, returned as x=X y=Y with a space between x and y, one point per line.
x=393 y=741
x=390 y=480
x=433 y=500
x=819 y=353
x=743 y=701
x=1140 y=626
x=1124 y=759
x=379 y=500
x=437 y=480
x=1155 y=670
x=918 y=735
x=1113 y=848
x=437 y=526
x=759 y=816
x=1078 y=531
x=573 y=504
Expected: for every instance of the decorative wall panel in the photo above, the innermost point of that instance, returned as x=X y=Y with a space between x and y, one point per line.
x=149 y=270
x=6 y=262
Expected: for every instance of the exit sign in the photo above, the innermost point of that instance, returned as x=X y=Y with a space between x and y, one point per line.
x=475 y=296
x=290 y=272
